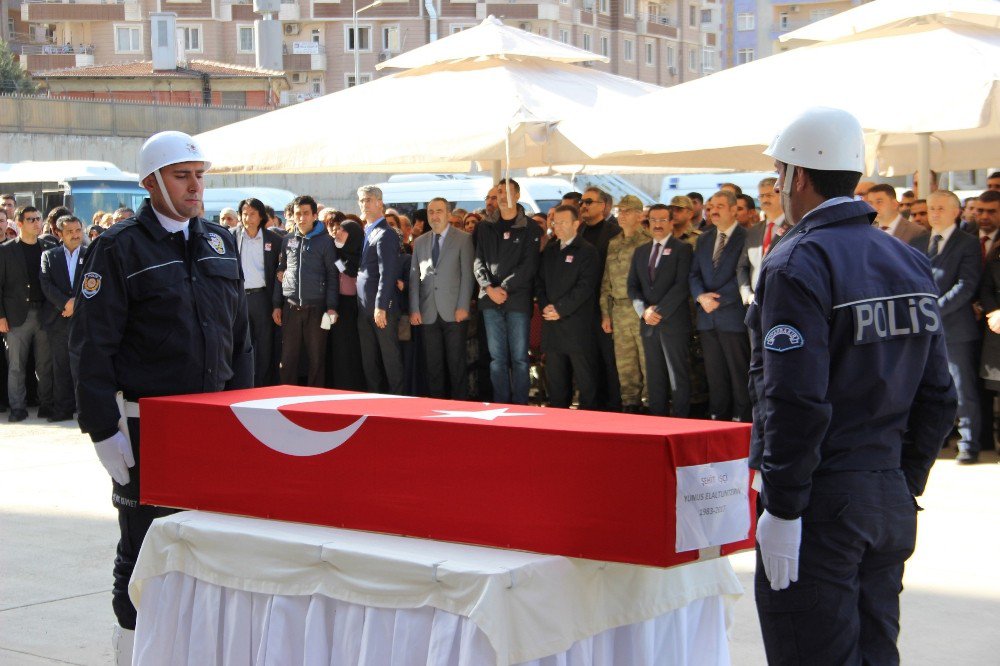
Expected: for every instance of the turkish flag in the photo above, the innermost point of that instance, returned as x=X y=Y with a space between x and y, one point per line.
x=575 y=483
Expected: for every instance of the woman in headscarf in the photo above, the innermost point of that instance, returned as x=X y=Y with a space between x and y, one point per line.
x=343 y=355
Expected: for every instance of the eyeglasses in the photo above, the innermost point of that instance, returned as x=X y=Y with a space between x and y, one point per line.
x=587 y=202
x=33 y=219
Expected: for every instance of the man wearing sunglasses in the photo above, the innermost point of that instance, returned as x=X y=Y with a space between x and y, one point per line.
x=598 y=228
x=22 y=315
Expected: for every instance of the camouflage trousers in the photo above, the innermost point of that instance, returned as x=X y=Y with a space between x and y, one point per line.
x=629 y=358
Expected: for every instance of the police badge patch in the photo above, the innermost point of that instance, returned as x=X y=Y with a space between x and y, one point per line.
x=91 y=285
x=783 y=338
x=215 y=241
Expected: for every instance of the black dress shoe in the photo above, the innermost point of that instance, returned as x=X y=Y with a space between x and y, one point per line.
x=17 y=415
x=967 y=458
x=55 y=418
x=44 y=412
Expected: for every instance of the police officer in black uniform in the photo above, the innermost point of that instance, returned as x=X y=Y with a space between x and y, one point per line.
x=852 y=402
x=161 y=311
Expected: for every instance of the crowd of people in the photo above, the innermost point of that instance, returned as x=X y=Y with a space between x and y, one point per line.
x=609 y=305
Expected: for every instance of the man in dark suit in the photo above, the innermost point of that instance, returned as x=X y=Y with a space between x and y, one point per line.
x=569 y=271
x=957 y=269
x=378 y=305
x=60 y=278
x=22 y=314
x=720 y=310
x=259 y=251
x=440 y=293
x=658 y=288
x=598 y=227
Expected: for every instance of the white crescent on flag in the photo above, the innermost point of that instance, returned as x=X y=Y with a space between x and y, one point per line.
x=271 y=428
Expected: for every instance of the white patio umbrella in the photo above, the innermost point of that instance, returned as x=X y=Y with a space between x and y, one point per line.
x=883 y=15
x=458 y=110
x=953 y=108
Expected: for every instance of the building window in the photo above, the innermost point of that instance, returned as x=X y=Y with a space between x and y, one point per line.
x=128 y=39
x=192 y=38
x=629 y=7
x=706 y=16
x=315 y=35
x=317 y=87
x=605 y=46
x=671 y=57
x=820 y=14
x=707 y=60
x=349 y=79
x=746 y=22
x=390 y=38
x=364 y=42
x=628 y=50
x=649 y=53
x=244 y=42
x=459 y=27
x=587 y=46
x=693 y=15
x=234 y=98
x=564 y=36
x=602 y=6
x=783 y=20
x=693 y=60
x=743 y=56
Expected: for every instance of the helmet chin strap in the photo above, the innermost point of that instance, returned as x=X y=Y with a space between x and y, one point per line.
x=166 y=197
x=786 y=188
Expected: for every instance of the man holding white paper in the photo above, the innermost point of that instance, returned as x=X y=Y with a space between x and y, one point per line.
x=305 y=302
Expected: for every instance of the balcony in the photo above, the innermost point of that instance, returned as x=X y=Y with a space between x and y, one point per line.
x=304 y=57
x=35 y=11
x=39 y=58
x=289 y=11
x=512 y=11
x=655 y=24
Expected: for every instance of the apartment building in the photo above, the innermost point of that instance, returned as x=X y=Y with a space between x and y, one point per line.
x=752 y=28
x=665 y=42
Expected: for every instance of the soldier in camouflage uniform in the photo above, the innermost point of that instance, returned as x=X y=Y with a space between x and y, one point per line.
x=617 y=314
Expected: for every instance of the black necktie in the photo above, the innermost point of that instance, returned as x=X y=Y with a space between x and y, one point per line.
x=935 y=243
x=436 y=250
x=652 y=261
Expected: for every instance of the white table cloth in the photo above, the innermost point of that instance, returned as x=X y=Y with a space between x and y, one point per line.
x=217 y=589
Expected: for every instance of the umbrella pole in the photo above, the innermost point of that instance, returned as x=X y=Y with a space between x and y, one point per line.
x=495 y=170
x=924 y=164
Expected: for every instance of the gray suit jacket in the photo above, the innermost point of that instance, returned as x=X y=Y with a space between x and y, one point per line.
x=440 y=290
x=906 y=231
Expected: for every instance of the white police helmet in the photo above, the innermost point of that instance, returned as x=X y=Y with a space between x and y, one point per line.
x=166 y=148
x=821 y=138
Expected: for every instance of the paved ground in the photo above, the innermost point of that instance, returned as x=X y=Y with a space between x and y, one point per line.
x=57 y=536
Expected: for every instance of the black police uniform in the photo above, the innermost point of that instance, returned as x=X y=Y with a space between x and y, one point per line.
x=156 y=315
x=852 y=401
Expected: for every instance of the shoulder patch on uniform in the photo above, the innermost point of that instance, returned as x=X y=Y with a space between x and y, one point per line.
x=91 y=284
x=782 y=338
x=216 y=243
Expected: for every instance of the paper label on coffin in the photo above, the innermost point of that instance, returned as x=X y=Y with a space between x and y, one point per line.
x=712 y=504
x=573 y=483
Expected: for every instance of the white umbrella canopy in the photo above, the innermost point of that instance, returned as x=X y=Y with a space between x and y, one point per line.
x=410 y=122
x=958 y=104
x=490 y=39
x=884 y=15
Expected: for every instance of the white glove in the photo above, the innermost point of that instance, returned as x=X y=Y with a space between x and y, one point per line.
x=116 y=455
x=779 y=542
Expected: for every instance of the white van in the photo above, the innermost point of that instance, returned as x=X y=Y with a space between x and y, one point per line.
x=707 y=184
x=408 y=192
x=217 y=198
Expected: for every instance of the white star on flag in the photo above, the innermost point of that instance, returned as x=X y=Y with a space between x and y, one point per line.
x=482 y=415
